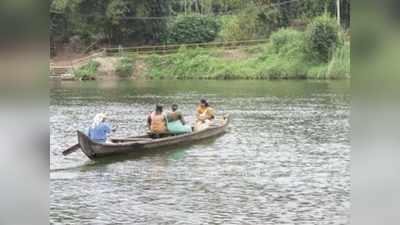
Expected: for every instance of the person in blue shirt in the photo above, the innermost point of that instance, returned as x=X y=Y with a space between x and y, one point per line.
x=99 y=129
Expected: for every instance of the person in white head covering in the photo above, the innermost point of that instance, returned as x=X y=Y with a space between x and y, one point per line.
x=99 y=129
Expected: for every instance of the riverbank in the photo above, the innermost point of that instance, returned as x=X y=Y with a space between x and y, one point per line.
x=284 y=57
x=321 y=51
x=259 y=62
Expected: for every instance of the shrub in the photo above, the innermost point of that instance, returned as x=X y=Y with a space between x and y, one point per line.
x=87 y=71
x=156 y=66
x=287 y=40
x=124 y=67
x=250 y=23
x=322 y=38
x=339 y=66
x=268 y=21
x=236 y=28
x=192 y=29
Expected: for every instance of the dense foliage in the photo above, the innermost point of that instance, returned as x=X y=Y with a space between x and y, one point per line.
x=108 y=21
x=87 y=71
x=286 y=40
x=139 y=22
x=192 y=29
x=243 y=26
x=322 y=35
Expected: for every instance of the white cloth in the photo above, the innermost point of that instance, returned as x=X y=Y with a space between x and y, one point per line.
x=98 y=119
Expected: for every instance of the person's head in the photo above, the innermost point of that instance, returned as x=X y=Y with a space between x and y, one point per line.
x=174 y=107
x=99 y=118
x=204 y=102
x=159 y=109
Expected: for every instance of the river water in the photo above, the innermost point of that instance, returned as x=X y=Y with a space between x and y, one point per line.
x=284 y=160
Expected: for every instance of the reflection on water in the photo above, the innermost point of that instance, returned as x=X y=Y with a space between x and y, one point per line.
x=284 y=159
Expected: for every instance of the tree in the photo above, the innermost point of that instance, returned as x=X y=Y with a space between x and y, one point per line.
x=116 y=12
x=145 y=22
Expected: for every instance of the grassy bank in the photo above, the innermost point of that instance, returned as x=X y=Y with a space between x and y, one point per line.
x=262 y=62
x=319 y=52
x=284 y=57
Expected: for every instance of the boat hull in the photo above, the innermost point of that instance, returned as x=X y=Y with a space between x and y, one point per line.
x=95 y=150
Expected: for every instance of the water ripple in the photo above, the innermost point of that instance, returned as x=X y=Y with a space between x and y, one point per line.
x=284 y=160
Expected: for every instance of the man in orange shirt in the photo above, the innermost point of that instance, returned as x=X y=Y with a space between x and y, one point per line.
x=156 y=121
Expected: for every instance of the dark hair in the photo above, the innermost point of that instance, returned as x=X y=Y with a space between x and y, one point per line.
x=174 y=107
x=159 y=108
x=205 y=102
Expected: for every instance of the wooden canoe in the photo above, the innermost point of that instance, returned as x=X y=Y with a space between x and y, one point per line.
x=95 y=150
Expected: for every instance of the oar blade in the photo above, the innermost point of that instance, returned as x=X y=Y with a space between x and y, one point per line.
x=71 y=149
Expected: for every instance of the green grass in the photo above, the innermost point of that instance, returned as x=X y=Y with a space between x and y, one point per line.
x=339 y=66
x=283 y=58
x=87 y=71
x=124 y=67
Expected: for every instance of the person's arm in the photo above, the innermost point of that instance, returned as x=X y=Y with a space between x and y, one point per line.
x=110 y=128
x=149 y=121
x=107 y=128
x=113 y=129
x=198 y=116
x=198 y=113
x=180 y=116
x=211 y=113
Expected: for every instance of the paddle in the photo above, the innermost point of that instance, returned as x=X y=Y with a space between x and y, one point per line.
x=77 y=146
x=71 y=149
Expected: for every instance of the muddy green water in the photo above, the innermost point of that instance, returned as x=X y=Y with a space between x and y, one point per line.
x=284 y=160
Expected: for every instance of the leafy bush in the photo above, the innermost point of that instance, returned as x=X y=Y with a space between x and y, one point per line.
x=250 y=23
x=322 y=38
x=124 y=67
x=269 y=21
x=155 y=67
x=87 y=71
x=339 y=66
x=185 y=64
x=236 y=28
x=287 y=40
x=192 y=29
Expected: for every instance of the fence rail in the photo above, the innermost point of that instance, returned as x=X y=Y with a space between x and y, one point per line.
x=56 y=70
x=168 y=49
x=151 y=49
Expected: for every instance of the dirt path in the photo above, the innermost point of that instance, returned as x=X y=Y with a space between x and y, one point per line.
x=65 y=59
